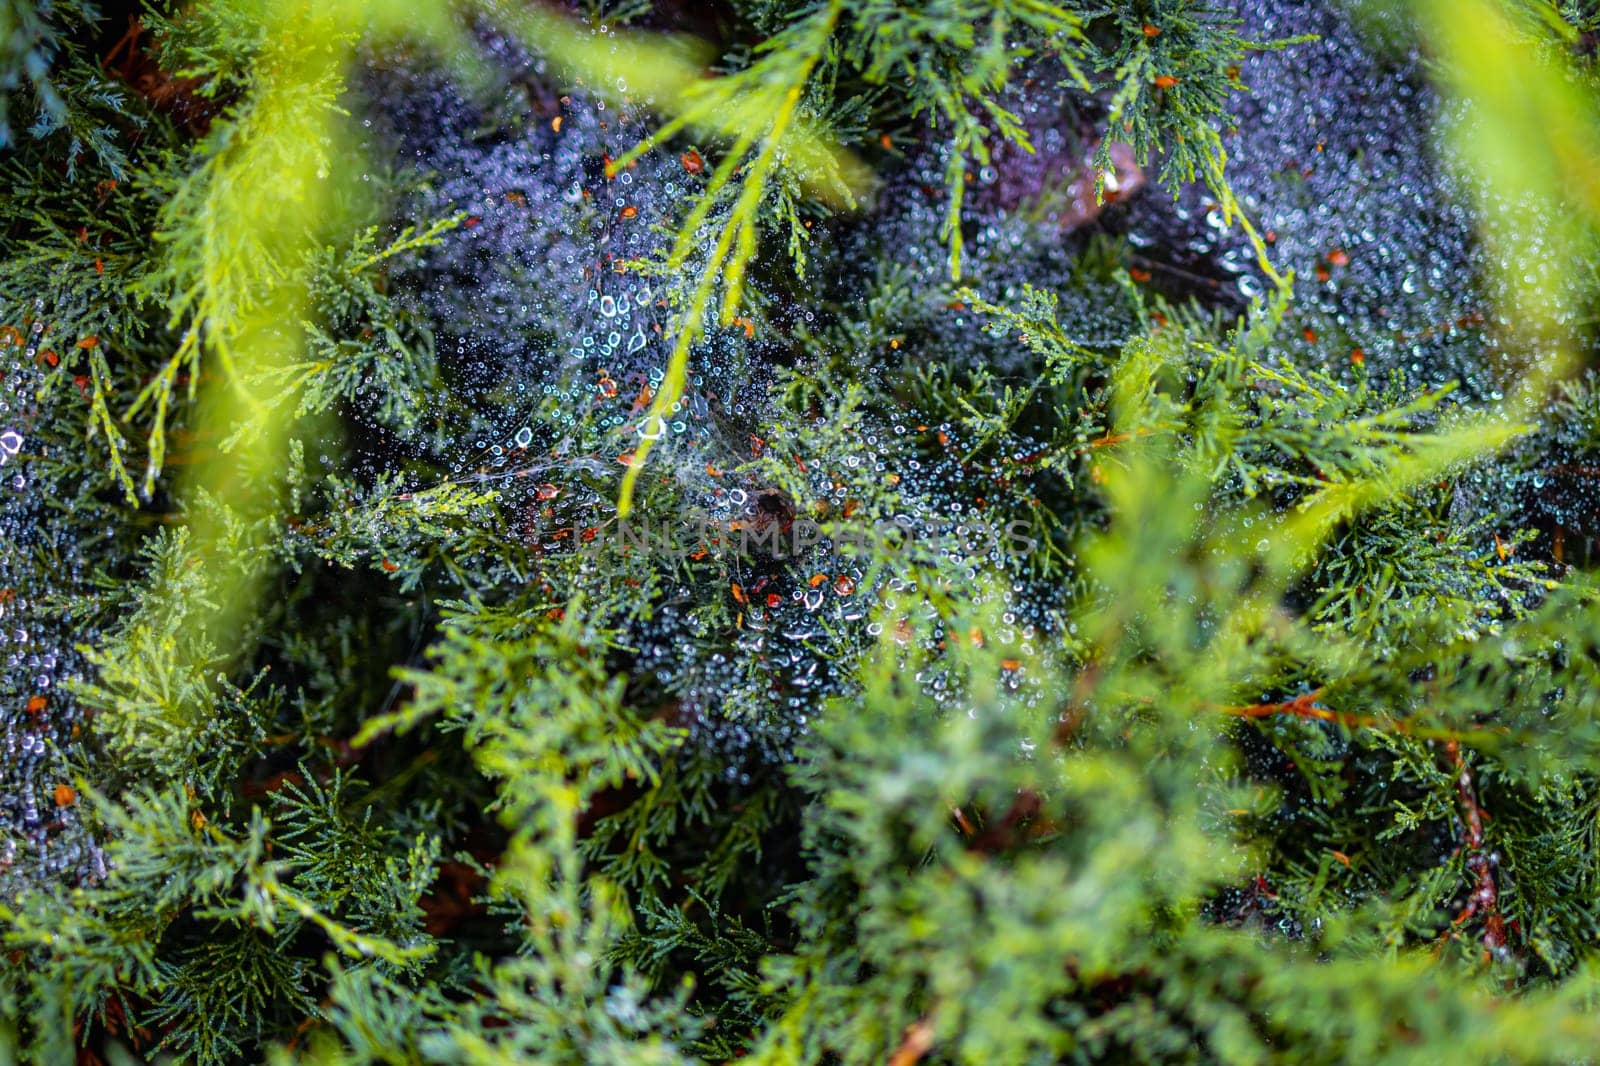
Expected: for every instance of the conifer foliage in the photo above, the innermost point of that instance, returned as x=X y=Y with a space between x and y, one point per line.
x=800 y=531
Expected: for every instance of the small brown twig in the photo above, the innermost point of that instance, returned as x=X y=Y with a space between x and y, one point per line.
x=916 y=1042
x=1485 y=895
x=1304 y=706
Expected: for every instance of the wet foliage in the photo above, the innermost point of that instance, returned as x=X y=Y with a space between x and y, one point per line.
x=966 y=531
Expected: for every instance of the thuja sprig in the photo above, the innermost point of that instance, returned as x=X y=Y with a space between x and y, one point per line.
x=764 y=99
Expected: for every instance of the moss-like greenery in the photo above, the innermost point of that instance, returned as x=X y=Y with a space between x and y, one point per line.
x=802 y=531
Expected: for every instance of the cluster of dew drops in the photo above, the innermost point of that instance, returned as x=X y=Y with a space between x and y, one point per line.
x=534 y=304
x=41 y=837
x=531 y=304
x=557 y=349
x=558 y=352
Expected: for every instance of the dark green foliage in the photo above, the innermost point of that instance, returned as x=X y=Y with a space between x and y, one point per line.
x=50 y=91
x=1054 y=668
